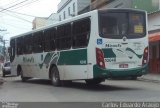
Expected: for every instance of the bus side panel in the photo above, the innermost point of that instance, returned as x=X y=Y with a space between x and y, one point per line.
x=92 y=46
x=73 y=64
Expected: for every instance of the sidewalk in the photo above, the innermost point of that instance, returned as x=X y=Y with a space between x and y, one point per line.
x=150 y=77
x=1 y=79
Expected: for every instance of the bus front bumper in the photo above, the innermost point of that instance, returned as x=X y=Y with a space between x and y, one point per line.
x=112 y=73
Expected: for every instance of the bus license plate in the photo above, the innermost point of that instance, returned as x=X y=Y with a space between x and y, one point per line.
x=123 y=65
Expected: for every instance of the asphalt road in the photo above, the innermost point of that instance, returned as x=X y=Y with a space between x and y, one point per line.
x=37 y=90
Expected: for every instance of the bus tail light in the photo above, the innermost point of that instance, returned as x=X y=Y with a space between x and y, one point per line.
x=145 y=56
x=100 y=58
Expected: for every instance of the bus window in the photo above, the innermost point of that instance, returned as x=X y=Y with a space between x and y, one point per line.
x=38 y=42
x=19 y=45
x=63 y=38
x=136 y=25
x=49 y=39
x=28 y=42
x=128 y=24
x=81 y=32
x=52 y=40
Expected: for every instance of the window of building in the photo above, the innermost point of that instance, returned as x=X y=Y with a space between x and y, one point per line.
x=74 y=8
x=81 y=32
x=69 y=11
x=60 y=18
x=64 y=15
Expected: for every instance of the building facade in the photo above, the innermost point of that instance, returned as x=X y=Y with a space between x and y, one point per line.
x=154 y=38
x=39 y=22
x=71 y=8
x=53 y=18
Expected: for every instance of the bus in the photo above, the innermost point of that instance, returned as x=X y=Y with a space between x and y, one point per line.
x=94 y=46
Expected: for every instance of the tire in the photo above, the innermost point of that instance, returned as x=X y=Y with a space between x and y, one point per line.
x=23 y=79
x=55 y=79
x=94 y=81
x=4 y=74
x=133 y=77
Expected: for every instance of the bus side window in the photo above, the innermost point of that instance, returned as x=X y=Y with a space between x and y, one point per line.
x=63 y=37
x=52 y=39
x=81 y=32
x=47 y=36
x=38 y=44
x=19 y=45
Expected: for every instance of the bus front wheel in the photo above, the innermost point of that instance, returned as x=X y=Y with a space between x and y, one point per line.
x=55 y=78
x=24 y=79
x=94 y=81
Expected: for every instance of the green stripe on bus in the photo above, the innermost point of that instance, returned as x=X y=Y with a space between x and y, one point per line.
x=108 y=53
x=108 y=73
x=73 y=57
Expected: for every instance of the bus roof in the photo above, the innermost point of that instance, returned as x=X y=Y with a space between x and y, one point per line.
x=88 y=14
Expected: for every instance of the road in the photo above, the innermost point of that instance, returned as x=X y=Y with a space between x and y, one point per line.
x=37 y=90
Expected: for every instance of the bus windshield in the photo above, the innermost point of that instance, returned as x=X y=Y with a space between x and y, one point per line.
x=119 y=24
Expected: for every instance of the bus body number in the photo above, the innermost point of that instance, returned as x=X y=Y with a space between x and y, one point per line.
x=83 y=62
x=110 y=60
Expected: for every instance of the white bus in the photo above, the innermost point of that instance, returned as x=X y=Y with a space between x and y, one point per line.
x=93 y=46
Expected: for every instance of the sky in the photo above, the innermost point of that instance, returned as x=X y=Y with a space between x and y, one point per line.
x=16 y=23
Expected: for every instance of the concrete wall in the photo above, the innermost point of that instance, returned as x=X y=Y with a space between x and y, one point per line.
x=82 y=4
x=119 y=4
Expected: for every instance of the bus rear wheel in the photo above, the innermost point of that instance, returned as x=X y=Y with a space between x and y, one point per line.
x=94 y=81
x=55 y=78
x=133 y=77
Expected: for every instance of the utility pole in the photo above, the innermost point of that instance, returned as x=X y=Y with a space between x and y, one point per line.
x=3 y=51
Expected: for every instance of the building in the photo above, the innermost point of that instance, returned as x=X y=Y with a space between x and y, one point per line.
x=71 y=8
x=53 y=18
x=154 y=38
x=39 y=22
x=101 y=4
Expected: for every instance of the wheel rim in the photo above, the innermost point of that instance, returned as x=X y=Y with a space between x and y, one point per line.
x=55 y=76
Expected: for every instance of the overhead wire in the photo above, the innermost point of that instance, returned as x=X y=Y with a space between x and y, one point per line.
x=14 y=5
x=10 y=3
x=19 y=27
x=25 y=4
x=19 y=13
x=18 y=17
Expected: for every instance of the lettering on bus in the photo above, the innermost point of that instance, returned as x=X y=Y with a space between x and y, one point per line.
x=110 y=59
x=83 y=62
x=29 y=60
x=113 y=45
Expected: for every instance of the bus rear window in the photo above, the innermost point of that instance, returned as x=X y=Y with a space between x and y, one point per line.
x=119 y=24
x=136 y=24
